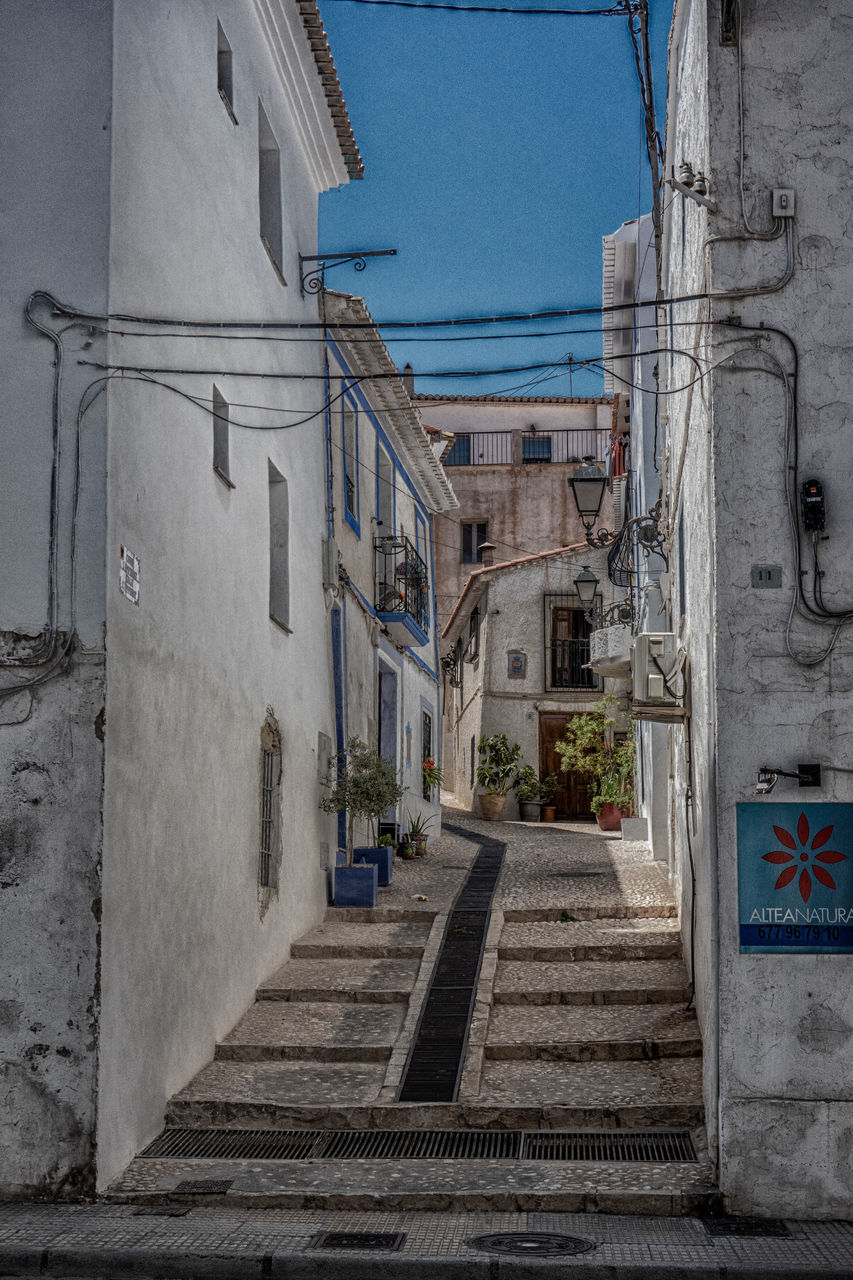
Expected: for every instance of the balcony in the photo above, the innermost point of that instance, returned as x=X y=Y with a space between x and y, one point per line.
x=521 y=448
x=402 y=591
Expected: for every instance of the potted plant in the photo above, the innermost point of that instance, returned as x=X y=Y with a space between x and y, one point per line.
x=418 y=832
x=365 y=786
x=498 y=760
x=590 y=749
x=433 y=776
x=526 y=788
x=405 y=846
x=547 y=787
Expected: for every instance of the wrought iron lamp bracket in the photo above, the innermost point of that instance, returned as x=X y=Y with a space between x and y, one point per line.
x=644 y=532
x=313 y=279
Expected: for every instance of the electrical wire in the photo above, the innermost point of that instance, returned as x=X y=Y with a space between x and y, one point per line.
x=618 y=11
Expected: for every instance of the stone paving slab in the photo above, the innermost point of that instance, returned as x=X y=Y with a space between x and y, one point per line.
x=329 y=1032
x=263 y=1083
x=591 y=982
x=369 y=981
x=445 y=1185
x=335 y=939
x=614 y=1085
x=592 y=1033
x=635 y=939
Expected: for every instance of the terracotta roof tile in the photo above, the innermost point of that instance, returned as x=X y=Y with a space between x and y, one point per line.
x=313 y=24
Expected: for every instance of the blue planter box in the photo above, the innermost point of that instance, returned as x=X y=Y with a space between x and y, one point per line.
x=381 y=855
x=356 y=886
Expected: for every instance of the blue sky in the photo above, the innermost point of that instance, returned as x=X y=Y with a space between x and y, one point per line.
x=498 y=150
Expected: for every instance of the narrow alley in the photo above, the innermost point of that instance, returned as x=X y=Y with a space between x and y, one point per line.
x=577 y=1088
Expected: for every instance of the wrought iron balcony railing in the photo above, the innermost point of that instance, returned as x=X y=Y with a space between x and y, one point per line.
x=402 y=591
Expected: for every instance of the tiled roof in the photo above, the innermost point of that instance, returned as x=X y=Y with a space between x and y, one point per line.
x=478 y=574
x=316 y=34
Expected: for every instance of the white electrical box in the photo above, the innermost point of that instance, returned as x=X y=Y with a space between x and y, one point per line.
x=784 y=202
x=330 y=562
x=656 y=670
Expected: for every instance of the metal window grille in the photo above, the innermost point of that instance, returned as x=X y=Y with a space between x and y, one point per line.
x=268 y=790
x=567 y=634
x=402 y=585
x=426 y=743
x=536 y=447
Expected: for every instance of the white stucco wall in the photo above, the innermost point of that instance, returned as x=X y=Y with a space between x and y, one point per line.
x=55 y=140
x=136 y=193
x=782 y=1099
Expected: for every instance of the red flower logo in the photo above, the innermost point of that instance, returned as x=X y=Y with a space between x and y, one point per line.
x=801 y=852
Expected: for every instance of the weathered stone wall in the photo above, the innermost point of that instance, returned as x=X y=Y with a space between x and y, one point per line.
x=784 y=1024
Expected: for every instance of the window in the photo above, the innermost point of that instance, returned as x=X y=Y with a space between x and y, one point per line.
x=350 y=445
x=474 y=635
x=224 y=71
x=460 y=452
x=426 y=743
x=269 y=840
x=567 y=645
x=279 y=548
x=535 y=448
x=221 y=432
x=474 y=534
x=269 y=191
x=384 y=493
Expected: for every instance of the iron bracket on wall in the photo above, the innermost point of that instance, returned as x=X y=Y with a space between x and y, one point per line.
x=313 y=280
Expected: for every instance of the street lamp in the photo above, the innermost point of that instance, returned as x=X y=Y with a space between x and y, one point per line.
x=588 y=485
x=586 y=585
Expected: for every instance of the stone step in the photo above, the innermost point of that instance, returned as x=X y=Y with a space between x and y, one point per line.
x=352 y=980
x=639 y=1093
x=672 y=1189
x=274 y=1029
x=592 y=1033
x=613 y=908
x=591 y=982
x=336 y=939
x=637 y=939
x=529 y=1095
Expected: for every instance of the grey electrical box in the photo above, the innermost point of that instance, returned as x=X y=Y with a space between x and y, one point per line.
x=766 y=575
x=784 y=201
x=330 y=562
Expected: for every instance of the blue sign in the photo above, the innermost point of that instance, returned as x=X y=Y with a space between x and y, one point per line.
x=795 y=877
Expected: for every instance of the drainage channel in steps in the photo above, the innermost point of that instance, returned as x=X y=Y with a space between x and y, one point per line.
x=612 y=1147
x=434 y=1066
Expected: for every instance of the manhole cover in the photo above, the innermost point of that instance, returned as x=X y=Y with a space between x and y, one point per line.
x=376 y=1241
x=533 y=1243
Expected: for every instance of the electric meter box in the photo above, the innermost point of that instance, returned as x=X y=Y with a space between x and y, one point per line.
x=654 y=661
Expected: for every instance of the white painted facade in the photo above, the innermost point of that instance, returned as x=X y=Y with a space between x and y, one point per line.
x=135 y=926
x=630 y=339
x=386 y=482
x=777 y=1028
x=503 y=679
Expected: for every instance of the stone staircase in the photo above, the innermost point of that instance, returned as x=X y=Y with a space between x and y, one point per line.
x=579 y=1026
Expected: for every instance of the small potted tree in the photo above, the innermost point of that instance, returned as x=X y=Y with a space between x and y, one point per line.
x=547 y=788
x=589 y=748
x=526 y=788
x=366 y=785
x=498 y=760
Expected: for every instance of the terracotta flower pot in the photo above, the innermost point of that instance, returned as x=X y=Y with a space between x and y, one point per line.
x=491 y=806
x=549 y=813
x=609 y=817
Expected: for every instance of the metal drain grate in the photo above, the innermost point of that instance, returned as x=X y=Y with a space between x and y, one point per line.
x=204 y=1186
x=767 y=1227
x=533 y=1244
x=375 y=1241
x=232 y=1144
x=612 y=1148
x=661 y=1147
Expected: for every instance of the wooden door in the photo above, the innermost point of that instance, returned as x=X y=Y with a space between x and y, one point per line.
x=572 y=795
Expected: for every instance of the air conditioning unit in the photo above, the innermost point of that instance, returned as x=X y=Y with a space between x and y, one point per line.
x=659 y=677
